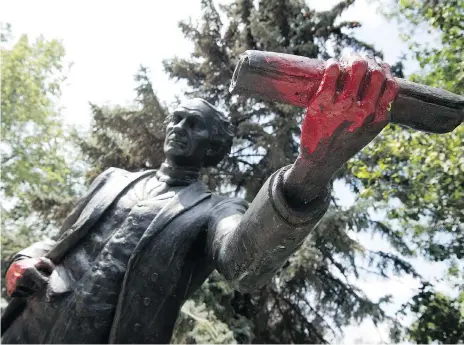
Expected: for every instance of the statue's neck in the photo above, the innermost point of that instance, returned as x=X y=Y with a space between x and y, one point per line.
x=177 y=175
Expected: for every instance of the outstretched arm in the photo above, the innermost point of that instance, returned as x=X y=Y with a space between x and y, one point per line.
x=347 y=112
x=249 y=246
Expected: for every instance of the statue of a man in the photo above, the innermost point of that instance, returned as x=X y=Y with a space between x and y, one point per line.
x=137 y=245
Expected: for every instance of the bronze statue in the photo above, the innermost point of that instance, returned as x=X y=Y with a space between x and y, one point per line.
x=137 y=245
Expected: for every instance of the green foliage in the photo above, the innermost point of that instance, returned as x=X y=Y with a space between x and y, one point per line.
x=440 y=318
x=417 y=179
x=202 y=321
x=36 y=177
x=442 y=66
x=423 y=173
x=206 y=328
x=434 y=309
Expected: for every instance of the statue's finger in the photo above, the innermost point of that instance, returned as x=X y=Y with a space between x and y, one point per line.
x=21 y=292
x=354 y=73
x=32 y=279
x=328 y=86
x=45 y=265
x=376 y=78
x=389 y=94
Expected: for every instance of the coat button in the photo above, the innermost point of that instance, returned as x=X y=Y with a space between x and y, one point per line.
x=154 y=277
x=137 y=327
x=146 y=301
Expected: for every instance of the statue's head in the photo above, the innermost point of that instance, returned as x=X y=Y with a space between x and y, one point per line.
x=197 y=134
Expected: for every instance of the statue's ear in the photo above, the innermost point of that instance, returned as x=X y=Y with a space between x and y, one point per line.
x=214 y=148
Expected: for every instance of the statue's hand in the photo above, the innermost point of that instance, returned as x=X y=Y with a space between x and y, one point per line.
x=348 y=110
x=26 y=276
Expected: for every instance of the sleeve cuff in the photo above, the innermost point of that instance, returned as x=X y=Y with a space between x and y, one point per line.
x=315 y=209
x=34 y=251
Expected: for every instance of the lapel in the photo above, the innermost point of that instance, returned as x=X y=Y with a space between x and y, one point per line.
x=183 y=201
x=93 y=211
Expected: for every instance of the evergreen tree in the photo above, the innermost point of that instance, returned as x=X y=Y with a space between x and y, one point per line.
x=127 y=138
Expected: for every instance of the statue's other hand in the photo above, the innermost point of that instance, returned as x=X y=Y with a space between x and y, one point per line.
x=349 y=110
x=26 y=276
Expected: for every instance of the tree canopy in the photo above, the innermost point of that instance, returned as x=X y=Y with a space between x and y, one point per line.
x=37 y=177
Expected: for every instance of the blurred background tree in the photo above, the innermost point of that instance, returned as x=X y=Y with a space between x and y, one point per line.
x=424 y=172
x=38 y=182
x=315 y=295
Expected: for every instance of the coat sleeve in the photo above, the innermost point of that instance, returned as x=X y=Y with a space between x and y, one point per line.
x=35 y=250
x=248 y=246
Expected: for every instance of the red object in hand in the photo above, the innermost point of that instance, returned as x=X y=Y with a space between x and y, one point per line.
x=367 y=90
x=34 y=266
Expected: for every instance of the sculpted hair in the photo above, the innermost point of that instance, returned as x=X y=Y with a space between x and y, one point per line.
x=221 y=139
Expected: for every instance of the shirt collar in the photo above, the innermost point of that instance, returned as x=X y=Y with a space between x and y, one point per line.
x=176 y=176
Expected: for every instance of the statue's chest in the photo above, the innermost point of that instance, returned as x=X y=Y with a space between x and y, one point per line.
x=136 y=207
x=147 y=197
x=116 y=234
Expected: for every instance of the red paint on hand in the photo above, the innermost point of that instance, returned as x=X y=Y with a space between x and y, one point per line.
x=16 y=271
x=347 y=109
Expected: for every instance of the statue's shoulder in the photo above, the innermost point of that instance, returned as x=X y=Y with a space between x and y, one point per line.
x=112 y=171
x=118 y=172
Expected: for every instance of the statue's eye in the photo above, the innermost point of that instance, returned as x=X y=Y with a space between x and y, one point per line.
x=175 y=119
x=193 y=123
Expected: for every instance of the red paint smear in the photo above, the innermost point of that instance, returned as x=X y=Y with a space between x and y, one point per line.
x=292 y=92
x=295 y=79
x=16 y=271
x=298 y=82
x=296 y=66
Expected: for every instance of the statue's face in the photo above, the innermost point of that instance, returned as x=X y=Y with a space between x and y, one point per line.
x=188 y=134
